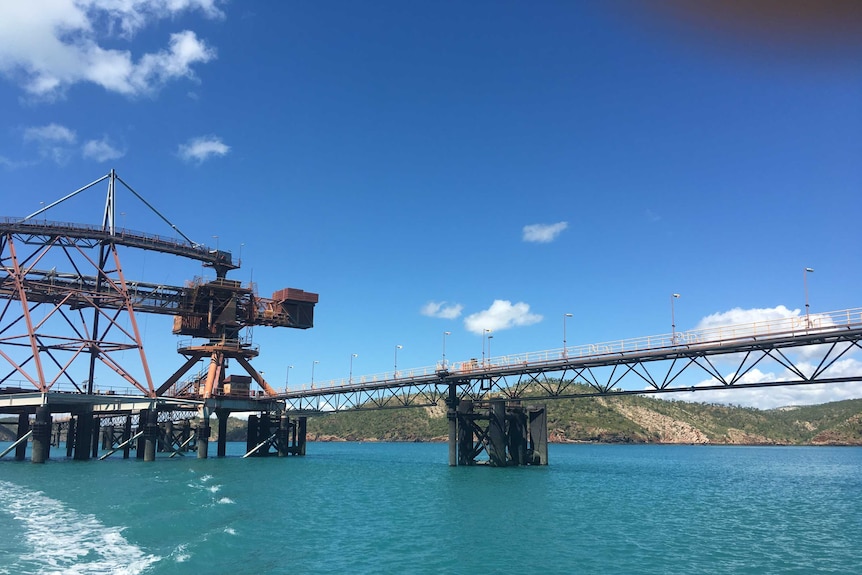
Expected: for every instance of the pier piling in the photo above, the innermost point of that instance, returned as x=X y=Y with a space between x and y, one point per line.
x=23 y=428
x=41 y=435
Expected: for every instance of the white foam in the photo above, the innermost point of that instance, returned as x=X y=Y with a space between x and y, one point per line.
x=61 y=540
x=180 y=555
x=225 y=501
x=214 y=488
x=230 y=530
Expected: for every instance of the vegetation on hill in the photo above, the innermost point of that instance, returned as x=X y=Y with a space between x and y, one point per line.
x=625 y=419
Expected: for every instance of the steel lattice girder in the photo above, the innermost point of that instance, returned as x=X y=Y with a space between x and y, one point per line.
x=653 y=371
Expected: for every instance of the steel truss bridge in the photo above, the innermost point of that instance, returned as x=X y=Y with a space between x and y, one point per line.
x=724 y=358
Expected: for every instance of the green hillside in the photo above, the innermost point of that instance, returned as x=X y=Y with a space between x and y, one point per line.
x=625 y=419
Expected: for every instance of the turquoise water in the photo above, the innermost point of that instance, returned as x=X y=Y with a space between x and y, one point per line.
x=399 y=508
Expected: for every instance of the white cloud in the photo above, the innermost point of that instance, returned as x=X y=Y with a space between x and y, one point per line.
x=203 y=148
x=442 y=310
x=55 y=142
x=12 y=164
x=501 y=315
x=781 y=396
x=738 y=316
x=49 y=45
x=543 y=233
x=101 y=150
x=749 y=322
x=52 y=133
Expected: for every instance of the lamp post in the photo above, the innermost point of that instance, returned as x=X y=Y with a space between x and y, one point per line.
x=312 y=372
x=350 y=377
x=565 y=351
x=445 y=333
x=805 y=283
x=490 y=337
x=397 y=347
x=673 y=319
x=287 y=378
x=484 y=331
x=216 y=239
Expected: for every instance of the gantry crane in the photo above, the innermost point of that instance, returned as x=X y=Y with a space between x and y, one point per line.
x=64 y=300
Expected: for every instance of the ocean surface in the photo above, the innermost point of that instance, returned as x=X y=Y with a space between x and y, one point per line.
x=399 y=508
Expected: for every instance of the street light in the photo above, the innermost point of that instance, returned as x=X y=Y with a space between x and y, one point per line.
x=216 y=239
x=445 y=333
x=312 y=373
x=287 y=378
x=805 y=283
x=397 y=347
x=350 y=377
x=490 y=337
x=484 y=331
x=565 y=351
x=673 y=319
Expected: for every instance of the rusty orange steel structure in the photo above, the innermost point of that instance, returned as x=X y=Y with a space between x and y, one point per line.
x=65 y=303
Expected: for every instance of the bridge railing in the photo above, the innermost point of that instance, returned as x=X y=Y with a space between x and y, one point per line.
x=153 y=240
x=713 y=337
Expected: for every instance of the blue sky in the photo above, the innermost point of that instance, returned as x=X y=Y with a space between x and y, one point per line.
x=456 y=166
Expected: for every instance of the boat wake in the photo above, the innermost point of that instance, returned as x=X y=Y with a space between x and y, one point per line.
x=61 y=540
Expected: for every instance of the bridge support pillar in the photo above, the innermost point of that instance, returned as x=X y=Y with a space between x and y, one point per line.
x=538 y=450
x=70 y=436
x=514 y=435
x=185 y=435
x=283 y=438
x=166 y=439
x=464 y=415
x=95 y=436
x=497 y=433
x=202 y=435
x=151 y=435
x=142 y=422
x=221 y=448
x=452 y=417
x=41 y=435
x=83 y=436
x=127 y=434
x=23 y=428
x=302 y=434
x=251 y=433
x=107 y=437
x=517 y=436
